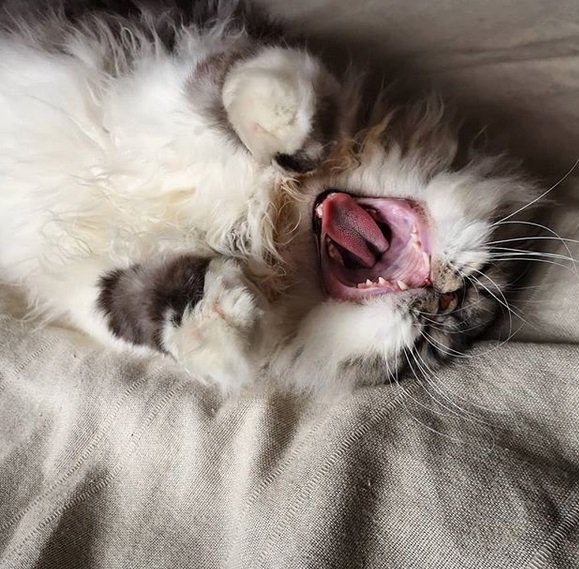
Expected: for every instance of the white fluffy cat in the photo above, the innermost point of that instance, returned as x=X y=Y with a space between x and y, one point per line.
x=185 y=186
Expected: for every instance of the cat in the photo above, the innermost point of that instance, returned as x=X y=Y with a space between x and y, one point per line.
x=188 y=182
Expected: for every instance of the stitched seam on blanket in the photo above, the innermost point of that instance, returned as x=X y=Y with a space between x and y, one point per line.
x=569 y=520
x=38 y=352
x=268 y=480
x=98 y=437
x=362 y=430
x=104 y=482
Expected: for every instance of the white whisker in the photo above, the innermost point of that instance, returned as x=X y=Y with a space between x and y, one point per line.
x=534 y=260
x=538 y=198
x=426 y=408
x=461 y=410
x=524 y=252
x=533 y=238
x=544 y=228
x=426 y=369
x=503 y=302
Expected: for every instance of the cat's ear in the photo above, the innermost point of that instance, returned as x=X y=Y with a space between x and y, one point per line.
x=281 y=104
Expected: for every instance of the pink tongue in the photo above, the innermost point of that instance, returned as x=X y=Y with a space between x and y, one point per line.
x=353 y=228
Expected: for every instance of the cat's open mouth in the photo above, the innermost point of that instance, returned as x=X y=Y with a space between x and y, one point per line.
x=371 y=246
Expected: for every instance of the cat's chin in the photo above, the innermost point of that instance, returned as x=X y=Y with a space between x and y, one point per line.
x=371 y=246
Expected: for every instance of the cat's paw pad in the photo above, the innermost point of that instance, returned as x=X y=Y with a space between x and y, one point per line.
x=274 y=101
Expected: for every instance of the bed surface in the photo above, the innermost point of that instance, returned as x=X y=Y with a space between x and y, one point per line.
x=107 y=462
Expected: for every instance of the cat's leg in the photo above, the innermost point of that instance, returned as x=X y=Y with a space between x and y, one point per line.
x=200 y=312
x=282 y=104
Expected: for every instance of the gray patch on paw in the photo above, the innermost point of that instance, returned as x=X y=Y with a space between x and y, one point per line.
x=138 y=300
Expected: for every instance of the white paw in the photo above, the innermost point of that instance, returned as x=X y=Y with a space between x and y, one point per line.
x=213 y=339
x=271 y=101
x=226 y=294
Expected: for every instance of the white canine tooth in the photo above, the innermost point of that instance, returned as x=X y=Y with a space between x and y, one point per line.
x=425 y=258
x=369 y=282
x=381 y=281
x=319 y=210
x=402 y=285
x=334 y=252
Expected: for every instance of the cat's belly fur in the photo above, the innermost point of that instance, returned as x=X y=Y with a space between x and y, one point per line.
x=99 y=172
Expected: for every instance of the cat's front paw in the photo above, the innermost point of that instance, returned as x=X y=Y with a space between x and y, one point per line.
x=212 y=339
x=282 y=105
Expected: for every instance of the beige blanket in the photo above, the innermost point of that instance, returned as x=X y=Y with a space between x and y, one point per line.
x=108 y=462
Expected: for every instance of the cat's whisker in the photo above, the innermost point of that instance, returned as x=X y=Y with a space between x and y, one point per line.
x=425 y=315
x=511 y=310
x=524 y=252
x=424 y=369
x=533 y=238
x=425 y=407
x=456 y=311
x=477 y=405
x=441 y=328
x=452 y=353
x=461 y=411
x=455 y=410
x=526 y=287
x=503 y=302
x=507 y=258
x=406 y=393
x=456 y=354
x=476 y=283
x=543 y=228
x=540 y=197
x=536 y=256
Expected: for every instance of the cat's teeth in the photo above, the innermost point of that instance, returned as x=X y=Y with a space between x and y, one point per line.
x=319 y=210
x=425 y=258
x=334 y=253
x=415 y=239
x=381 y=282
x=371 y=284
